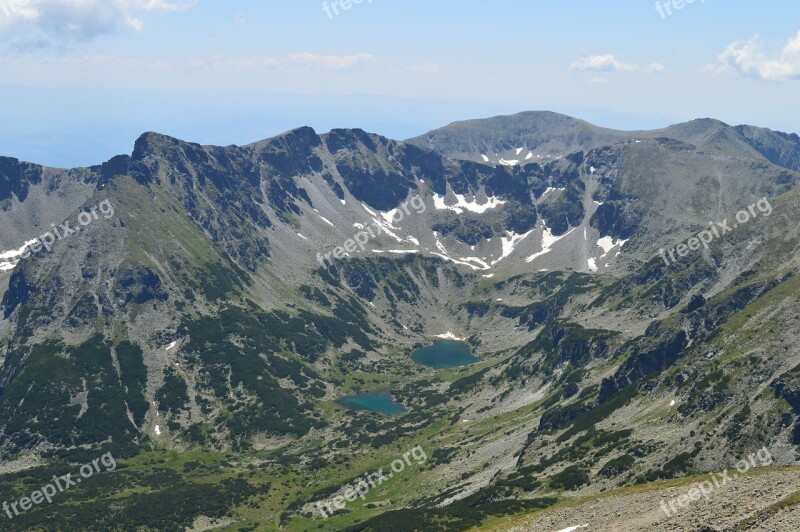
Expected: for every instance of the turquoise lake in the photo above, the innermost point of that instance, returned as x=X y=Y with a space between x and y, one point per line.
x=379 y=401
x=445 y=354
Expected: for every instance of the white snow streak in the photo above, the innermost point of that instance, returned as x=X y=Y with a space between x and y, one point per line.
x=462 y=204
x=574 y=528
x=449 y=336
x=10 y=258
x=510 y=243
x=548 y=240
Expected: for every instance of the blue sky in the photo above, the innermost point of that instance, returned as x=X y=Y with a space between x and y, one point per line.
x=80 y=79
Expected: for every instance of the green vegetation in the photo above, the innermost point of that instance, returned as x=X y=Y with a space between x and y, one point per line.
x=134 y=375
x=48 y=399
x=151 y=491
x=570 y=479
x=462 y=515
x=172 y=397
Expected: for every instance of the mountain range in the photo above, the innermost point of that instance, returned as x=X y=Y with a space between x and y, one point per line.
x=631 y=298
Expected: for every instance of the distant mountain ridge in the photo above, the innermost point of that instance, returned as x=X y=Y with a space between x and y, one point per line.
x=533 y=135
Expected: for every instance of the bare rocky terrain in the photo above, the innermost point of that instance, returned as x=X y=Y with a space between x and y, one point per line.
x=750 y=502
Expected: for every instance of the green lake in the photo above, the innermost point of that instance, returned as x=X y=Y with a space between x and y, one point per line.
x=378 y=401
x=444 y=354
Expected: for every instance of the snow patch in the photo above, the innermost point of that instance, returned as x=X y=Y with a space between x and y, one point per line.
x=548 y=190
x=449 y=336
x=607 y=244
x=158 y=430
x=439 y=245
x=548 y=240
x=387 y=226
x=485 y=158
x=10 y=258
x=574 y=528
x=326 y=221
x=477 y=260
x=388 y=216
x=301 y=236
x=512 y=162
x=170 y=346
x=510 y=243
x=466 y=261
x=14 y=253
x=462 y=204
x=456 y=261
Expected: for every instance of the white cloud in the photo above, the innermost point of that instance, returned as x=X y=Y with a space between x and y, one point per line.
x=239 y=18
x=104 y=61
x=48 y=23
x=601 y=63
x=165 y=5
x=330 y=62
x=254 y=63
x=426 y=68
x=748 y=58
x=609 y=63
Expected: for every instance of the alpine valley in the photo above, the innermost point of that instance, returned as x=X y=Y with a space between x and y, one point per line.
x=200 y=337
